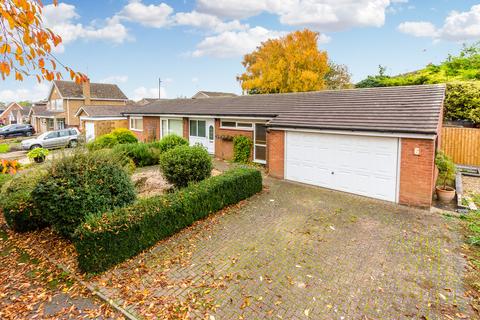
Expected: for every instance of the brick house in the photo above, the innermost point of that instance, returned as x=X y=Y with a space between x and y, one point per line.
x=66 y=98
x=377 y=142
x=14 y=113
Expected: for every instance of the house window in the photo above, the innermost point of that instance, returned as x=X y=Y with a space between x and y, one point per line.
x=172 y=126
x=136 y=123
x=198 y=128
x=57 y=104
x=236 y=125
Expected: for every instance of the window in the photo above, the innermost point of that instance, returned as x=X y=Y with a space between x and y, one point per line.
x=172 y=126
x=198 y=128
x=136 y=124
x=64 y=133
x=52 y=135
x=236 y=125
x=56 y=104
x=210 y=133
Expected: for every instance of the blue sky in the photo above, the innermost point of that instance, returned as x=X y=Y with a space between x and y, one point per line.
x=198 y=45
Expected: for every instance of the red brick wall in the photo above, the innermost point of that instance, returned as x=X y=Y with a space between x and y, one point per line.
x=417 y=173
x=151 y=129
x=276 y=153
x=224 y=148
x=186 y=129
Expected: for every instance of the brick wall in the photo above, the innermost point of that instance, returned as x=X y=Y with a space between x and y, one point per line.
x=186 y=128
x=417 y=173
x=224 y=148
x=151 y=129
x=276 y=153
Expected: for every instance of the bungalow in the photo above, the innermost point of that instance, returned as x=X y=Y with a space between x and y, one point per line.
x=377 y=142
x=66 y=97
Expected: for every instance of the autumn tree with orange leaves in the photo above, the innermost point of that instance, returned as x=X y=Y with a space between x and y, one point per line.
x=26 y=45
x=290 y=64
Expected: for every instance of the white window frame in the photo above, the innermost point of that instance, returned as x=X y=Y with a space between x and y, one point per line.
x=130 y=124
x=168 y=125
x=196 y=133
x=237 y=127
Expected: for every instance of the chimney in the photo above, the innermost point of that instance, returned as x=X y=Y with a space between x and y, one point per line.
x=86 y=91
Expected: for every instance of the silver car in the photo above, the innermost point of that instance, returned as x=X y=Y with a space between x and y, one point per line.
x=53 y=139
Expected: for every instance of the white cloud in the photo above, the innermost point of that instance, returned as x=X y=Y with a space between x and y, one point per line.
x=458 y=26
x=143 y=92
x=323 y=15
x=115 y=79
x=35 y=93
x=207 y=21
x=418 y=28
x=156 y=16
x=61 y=19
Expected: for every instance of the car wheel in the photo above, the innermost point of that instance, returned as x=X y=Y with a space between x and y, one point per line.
x=28 y=134
x=35 y=146
x=73 y=144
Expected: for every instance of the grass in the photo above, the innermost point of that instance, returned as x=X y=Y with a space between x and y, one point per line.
x=4 y=148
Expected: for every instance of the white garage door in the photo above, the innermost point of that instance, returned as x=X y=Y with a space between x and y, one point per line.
x=89 y=131
x=357 y=164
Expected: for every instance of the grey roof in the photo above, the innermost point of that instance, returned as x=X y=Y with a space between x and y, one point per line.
x=107 y=111
x=25 y=110
x=408 y=109
x=70 y=89
x=41 y=111
x=212 y=94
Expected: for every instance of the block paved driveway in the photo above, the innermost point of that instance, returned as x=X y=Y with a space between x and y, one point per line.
x=297 y=252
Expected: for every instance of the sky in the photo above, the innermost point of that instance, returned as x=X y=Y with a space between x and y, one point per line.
x=197 y=45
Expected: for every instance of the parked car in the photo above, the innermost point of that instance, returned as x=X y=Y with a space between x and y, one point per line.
x=14 y=130
x=53 y=139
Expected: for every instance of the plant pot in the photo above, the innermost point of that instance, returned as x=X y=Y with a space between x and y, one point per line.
x=445 y=195
x=39 y=159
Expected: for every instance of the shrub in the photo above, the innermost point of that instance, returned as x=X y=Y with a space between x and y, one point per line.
x=141 y=154
x=462 y=101
x=9 y=166
x=38 y=154
x=102 y=142
x=169 y=142
x=82 y=184
x=242 y=149
x=20 y=211
x=4 y=178
x=446 y=168
x=183 y=165
x=124 y=136
x=103 y=241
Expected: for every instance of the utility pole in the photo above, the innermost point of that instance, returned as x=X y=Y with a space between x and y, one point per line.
x=159 y=88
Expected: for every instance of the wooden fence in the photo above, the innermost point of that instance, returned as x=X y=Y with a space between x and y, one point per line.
x=462 y=144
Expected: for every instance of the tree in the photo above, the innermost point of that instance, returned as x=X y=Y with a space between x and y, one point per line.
x=26 y=45
x=338 y=77
x=290 y=64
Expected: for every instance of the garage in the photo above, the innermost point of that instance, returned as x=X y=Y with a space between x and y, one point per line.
x=363 y=165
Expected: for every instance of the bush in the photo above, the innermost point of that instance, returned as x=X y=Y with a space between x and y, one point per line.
x=102 y=142
x=82 y=184
x=141 y=154
x=20 y=211
x=446 y=169
x=183 y=165
x=103 y=241
x=9 y=166
x=462 y=101
x=124 y=136
x=242 y=149
x=169 y=142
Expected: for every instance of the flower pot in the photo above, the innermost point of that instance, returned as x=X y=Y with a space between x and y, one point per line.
x=445 y=194
x=39 y=159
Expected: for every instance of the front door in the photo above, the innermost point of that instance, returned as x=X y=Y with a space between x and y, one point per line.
x=202 y=132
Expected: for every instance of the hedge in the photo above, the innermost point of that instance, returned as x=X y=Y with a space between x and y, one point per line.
x=168 y=142
x=113 y=237
x=20 y=211
x=140 y=153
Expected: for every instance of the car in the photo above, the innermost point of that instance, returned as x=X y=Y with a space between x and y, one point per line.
x=53 y=139
x=14 y=130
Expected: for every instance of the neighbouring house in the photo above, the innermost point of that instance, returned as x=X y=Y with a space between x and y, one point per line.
x=145 y=101
x=15 y=113
x=99 y=120
x=377 y=142
x=211 y=94
x=66 y=97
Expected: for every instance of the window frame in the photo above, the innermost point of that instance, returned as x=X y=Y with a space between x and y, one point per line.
x=132 y=123
x=196 y=135
x=237 y=127
x=162 y=134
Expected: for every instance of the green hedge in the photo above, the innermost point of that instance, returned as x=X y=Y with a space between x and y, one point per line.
x=242 y=149
x=20 y=211
x=168 y=142
x=141 y=154
x=106 y=240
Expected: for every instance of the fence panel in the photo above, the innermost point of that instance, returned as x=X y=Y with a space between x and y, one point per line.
x=462 y=144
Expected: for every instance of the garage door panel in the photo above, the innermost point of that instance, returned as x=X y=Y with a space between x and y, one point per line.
x=356 y=164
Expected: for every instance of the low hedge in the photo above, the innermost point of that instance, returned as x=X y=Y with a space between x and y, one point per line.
x=20 y=211
x=106 y=240
x=168 y=142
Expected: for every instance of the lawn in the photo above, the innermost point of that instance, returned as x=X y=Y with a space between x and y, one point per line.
x=4 y=148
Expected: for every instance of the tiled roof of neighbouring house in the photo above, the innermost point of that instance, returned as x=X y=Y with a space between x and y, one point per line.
x=408 y=109
x=70 y=89
x=213 y=94
x=106 y=111
x=25 y=110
